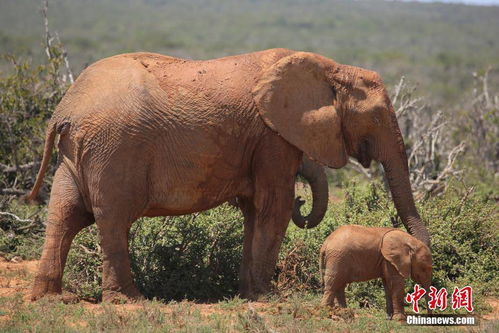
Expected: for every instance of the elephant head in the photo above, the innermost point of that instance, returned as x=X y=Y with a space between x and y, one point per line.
x=331 y=111
x=411 y=257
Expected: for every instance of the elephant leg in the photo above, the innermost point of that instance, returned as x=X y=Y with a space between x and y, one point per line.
x=398 y=298
x=119 y=197
x=249 y=222
x=117 y=281
x=265 y=227
x=267 y=212
x=334 y=289
x=334 y=297
x=395 y=284
x=339 y=295
x=388 y=298
x=328 y=298
x=66 y=217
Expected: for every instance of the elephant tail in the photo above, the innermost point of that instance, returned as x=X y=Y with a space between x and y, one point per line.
x=47 y=152
x=322 y=266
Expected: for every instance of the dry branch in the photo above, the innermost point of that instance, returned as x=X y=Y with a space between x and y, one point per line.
x=48 y=37
x=429 y=147
x=431 y=155
x=484 y=122
x=359 y=168
x=13 y=191
x=49 y=44
x=17 y=218
x=8 y=169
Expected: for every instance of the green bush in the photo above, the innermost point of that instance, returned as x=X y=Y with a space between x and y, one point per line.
x=21 y=234
x=197 y=257
x=83 y=273
x=193 y=257
x=463 y=225
x=188 y=257
x=28 y=98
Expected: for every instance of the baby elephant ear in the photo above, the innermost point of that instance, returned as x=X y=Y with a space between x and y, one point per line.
x=294 y=99
x=398 y=248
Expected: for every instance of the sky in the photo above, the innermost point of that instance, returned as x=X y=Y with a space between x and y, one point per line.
x=468 y=2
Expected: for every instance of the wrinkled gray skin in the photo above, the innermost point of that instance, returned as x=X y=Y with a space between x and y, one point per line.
x=356 y=253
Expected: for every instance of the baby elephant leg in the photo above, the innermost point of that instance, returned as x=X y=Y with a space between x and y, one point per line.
x=340 y=297
x=388 y=299
x=394 y=292
x=334 y=291
x=328 y=297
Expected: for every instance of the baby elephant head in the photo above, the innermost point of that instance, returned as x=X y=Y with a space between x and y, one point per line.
x=411 y=257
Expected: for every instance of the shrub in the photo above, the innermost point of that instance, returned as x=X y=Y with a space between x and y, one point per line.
x=197 y=257
x=463 y=225
x=21 y=230
x=28 y=98
x=193 y=257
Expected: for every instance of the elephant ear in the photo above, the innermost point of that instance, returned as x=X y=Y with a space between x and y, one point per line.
x=398 y=248
x=294 y=99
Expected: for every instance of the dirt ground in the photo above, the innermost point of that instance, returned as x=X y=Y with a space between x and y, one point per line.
x=16 y=278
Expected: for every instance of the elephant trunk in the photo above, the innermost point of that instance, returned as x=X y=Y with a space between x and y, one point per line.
x=397 y=175
x=426 y=284
x=316 y=177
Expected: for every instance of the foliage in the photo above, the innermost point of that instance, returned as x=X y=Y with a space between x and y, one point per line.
x=20 y=238
x=394 y=38
x=188 y=257
x=83 y=274
x=297 y=315
x=27 y=99
x=192 y=257
x=197 y=257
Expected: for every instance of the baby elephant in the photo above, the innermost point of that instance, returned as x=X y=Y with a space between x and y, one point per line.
x=355 y=253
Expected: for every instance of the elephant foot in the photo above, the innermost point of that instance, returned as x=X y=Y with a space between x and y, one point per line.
x=65 y=297
x=255 y=290
x=327 y=302
x=250 y=296
x=130 y=295
x=399 y=317
x=45 y=286
x=327 y=299
x=253 y=294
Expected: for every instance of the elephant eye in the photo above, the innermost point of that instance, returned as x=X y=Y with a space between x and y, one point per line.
x=334 y=94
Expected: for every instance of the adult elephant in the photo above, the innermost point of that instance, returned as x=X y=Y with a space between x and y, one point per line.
x=144 y=134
